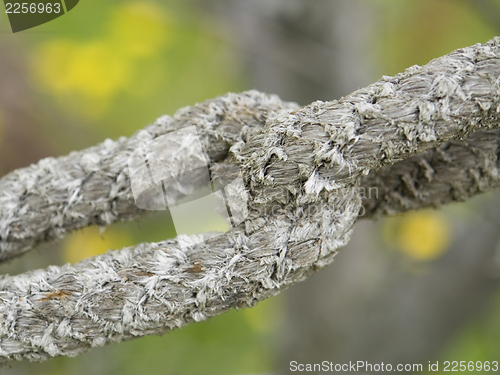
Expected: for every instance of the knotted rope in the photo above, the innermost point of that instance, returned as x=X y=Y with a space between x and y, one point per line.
x=425 y=137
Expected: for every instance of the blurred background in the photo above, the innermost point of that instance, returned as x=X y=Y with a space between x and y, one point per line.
x=409 y=289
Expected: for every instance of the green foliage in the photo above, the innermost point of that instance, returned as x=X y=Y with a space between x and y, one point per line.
x=414 y=32
x=116 y=66
x=478 y=341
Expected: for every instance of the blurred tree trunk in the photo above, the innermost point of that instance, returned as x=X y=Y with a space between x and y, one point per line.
x=301 y=50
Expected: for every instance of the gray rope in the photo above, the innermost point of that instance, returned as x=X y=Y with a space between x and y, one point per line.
x=302 y=170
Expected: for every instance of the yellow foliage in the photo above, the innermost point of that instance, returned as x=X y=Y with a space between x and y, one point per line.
x=422 y=235
x=94 y=71
x=91 y=69
x=52 y=63
x=88 y=242
x=139 y=29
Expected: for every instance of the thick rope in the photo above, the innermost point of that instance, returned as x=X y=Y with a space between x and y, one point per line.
x=302 y=168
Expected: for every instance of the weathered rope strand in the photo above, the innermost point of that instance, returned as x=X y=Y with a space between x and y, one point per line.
x=405 y=134
x=92 y=187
